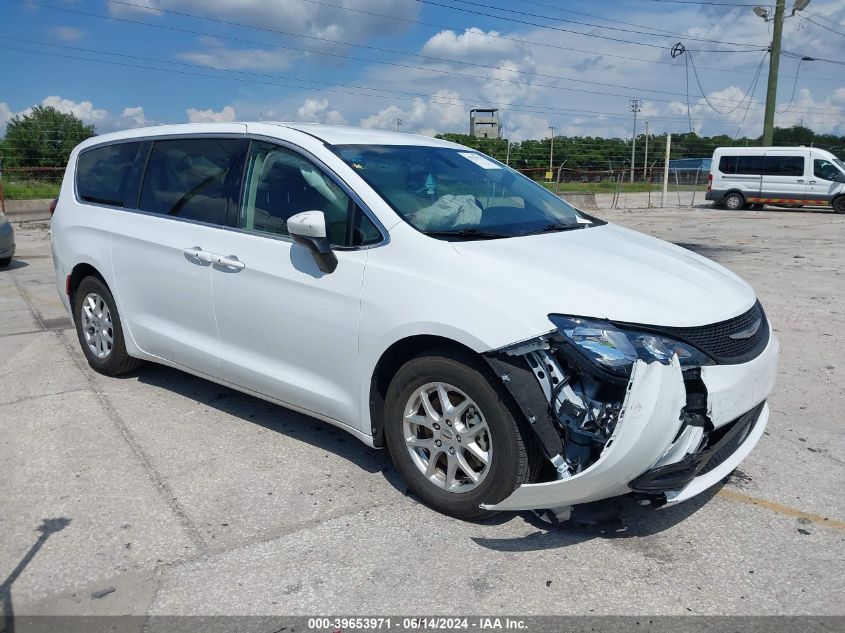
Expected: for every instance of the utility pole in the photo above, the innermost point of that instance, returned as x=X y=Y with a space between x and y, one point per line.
x=398 y=124
x=645 y=160
x=666 y=169
x=635 y=105
x=774 y=60
x=508 y=154
x=551 y=154
x=774 y=64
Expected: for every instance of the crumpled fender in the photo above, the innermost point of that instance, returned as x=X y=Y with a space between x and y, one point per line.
x=648 y=423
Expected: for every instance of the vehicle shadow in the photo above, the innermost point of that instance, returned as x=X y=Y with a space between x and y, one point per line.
x=636 y=520
x=47 y=527
x=633 y=521
x=14 y=265
x=265 y=414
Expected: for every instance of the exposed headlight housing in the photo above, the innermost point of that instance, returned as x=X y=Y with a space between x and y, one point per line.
x=615 y=349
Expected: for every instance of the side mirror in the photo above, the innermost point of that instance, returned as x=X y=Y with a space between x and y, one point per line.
x=308 y=229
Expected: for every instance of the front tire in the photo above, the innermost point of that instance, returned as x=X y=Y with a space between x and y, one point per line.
x=453 y=437
x=5 y=262
x=734 y=201
x=839 y=204
x=98 y=329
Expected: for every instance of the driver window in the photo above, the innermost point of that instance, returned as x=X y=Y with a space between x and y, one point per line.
x=280 y=183
x=825 y=170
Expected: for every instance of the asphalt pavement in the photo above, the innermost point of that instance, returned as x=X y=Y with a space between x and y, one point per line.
x=162 y=494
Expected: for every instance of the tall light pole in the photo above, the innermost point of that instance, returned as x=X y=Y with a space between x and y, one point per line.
x=645 y=160
x=635 y=105
x=774 y=60
x=551 y=152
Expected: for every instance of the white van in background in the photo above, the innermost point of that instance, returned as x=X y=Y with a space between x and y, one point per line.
x=744 y=176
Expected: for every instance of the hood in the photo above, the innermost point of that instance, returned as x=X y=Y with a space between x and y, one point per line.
x=606 y=272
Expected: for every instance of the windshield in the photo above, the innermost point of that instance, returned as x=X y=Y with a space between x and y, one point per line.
x=459 y=194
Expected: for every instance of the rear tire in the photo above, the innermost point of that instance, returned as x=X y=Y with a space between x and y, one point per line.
x=98 y=329
x=502 y=455
x=5 y=262
x=734 y=201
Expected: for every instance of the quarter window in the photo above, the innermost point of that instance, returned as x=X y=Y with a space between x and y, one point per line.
x=280 y=183
x=103 y=174
x=194 y=179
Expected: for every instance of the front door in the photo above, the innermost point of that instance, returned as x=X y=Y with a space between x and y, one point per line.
x=163 y=254
x=826 y=181
x=288 y=330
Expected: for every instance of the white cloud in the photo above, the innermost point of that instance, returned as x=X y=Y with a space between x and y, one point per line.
x=67 y=33
x=84 y=110
x=136 y=116
x=342 y=22
x=226 y=115
x=317 y=111
x=519 y=127
x=472 y=44
x=216 y=54
x=6 y=114
x=442 y=112
x=101 y=119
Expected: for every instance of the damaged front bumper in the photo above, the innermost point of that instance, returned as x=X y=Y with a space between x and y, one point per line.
x=656 y=447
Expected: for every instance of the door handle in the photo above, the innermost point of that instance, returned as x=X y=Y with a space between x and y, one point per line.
x=812 y=182
x=196 y=254
x=228 y=262
x=799 y=180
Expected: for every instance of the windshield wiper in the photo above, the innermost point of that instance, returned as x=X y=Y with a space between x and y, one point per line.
x=556 y=226
x=467 y=233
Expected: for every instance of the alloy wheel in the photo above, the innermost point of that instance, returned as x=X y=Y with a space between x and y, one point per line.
x=447 y=437
x=97 y=325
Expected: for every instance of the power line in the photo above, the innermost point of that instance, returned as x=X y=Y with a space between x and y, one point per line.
x=391 y=17
x=515 y=107
x=839 y=33
x=713 y=4
x=440 y=71
x=826 y=18
x=602 y=26
x=563 y=30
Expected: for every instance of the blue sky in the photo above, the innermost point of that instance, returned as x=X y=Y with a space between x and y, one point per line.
x=371 y=62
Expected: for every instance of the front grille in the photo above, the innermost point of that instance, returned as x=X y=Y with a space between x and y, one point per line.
x=715 y=341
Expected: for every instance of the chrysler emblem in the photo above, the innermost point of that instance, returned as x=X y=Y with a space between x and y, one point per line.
x=747 y=333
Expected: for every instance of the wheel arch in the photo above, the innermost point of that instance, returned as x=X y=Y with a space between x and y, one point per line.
x=80 y=272
x=389 y=363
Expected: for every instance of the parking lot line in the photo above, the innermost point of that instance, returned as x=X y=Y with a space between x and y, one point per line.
x=733 y=495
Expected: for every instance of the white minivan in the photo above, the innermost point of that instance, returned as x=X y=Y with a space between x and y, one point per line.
x=795 y=176
x=510 y=351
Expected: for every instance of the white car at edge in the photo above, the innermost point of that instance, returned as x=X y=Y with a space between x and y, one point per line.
x=510 y=352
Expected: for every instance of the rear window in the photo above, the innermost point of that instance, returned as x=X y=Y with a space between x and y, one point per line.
x=194 y=179
x=762 y=165
x=103 y=173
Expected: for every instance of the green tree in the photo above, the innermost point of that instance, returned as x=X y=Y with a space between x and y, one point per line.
x=43 y=138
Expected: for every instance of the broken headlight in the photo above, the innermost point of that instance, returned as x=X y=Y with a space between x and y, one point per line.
x=616 y=349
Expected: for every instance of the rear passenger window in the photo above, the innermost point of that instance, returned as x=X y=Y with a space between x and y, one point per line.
x=194 y=179
x=784 y=166
x=103 y=173
x=751 y=165
x=727 y=164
